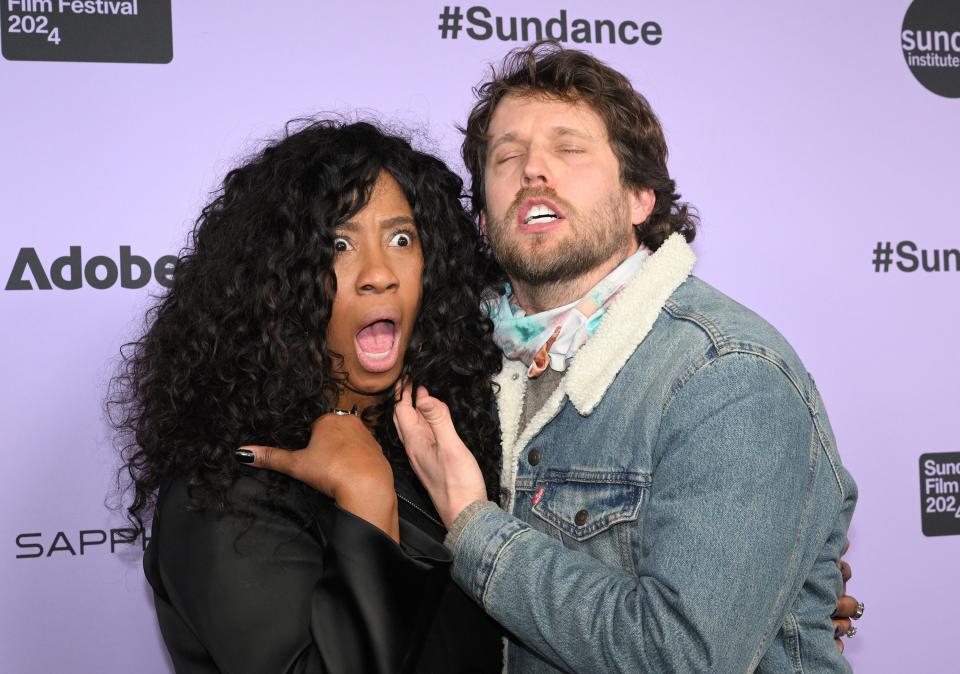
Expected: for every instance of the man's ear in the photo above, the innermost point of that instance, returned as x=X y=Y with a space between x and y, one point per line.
x=642 y=200
x=483 y=224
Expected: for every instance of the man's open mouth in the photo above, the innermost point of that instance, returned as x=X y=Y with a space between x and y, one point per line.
x=538 y=212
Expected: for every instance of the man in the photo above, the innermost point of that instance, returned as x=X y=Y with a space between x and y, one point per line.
x=673 y=500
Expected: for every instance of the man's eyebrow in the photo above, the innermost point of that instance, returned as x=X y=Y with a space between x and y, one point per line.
x=556 y=131
x=395 y=221
x=505 y=138
x=570 y=131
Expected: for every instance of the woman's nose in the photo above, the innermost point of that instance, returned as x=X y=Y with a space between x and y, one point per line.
x=376 y=275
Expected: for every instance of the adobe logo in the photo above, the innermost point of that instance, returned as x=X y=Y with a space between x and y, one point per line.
x=70 y=272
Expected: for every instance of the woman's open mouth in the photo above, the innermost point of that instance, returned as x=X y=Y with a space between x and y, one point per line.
x=378 y=345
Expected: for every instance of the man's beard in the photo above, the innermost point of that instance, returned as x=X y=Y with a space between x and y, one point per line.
x=595 y=238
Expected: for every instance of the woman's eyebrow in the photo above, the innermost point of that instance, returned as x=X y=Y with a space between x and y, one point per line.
x=396 y=221
x=351 y=226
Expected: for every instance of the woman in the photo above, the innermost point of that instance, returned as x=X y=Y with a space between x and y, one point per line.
x=332 y=265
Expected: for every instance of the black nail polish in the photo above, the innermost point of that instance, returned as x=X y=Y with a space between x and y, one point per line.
x=244 y=455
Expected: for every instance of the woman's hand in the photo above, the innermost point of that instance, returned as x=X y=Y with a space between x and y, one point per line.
x=342 y=460
x=848 y=608
x=437 y=454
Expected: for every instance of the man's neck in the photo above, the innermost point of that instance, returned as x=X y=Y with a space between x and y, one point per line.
x=534 y=298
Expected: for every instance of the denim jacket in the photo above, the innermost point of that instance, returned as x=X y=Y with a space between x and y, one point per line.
x=678 y=504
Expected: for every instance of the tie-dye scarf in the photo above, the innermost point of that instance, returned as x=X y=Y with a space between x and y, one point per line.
x=552 y=337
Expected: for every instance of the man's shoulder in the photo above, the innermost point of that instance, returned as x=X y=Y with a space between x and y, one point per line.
x=722 y=325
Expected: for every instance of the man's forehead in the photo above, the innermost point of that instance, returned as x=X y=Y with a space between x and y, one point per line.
x=515 y=116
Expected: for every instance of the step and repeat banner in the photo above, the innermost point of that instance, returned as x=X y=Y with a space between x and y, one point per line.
x=818 y=140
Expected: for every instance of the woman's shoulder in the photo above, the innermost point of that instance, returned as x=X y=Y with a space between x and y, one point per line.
x=250 y=489
x=255 y=507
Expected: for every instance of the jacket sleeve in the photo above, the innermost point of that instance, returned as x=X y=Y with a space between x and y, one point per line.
x=259 y=592
x=741 y=504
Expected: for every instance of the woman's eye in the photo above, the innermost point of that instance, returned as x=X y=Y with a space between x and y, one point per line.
x=341 y=245
x=401 y=239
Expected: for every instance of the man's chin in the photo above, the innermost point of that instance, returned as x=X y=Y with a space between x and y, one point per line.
x=536 y=273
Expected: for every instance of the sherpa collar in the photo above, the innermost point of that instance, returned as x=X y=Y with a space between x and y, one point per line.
x=627 y=323
x=594 y=367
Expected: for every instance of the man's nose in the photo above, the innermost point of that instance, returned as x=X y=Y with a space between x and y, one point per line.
x=376 y=275
x=536 y=170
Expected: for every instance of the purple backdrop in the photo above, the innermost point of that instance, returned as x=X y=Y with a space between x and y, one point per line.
x=797 y=130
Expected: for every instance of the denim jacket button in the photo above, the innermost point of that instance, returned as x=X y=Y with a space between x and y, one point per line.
x=581 y=518
x=534 y=457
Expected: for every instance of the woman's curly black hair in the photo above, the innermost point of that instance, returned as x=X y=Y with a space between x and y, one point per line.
x=235 y=352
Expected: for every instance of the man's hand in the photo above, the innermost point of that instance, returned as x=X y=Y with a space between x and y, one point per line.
x=342 y=460
x=437 y=454
x=848 y=608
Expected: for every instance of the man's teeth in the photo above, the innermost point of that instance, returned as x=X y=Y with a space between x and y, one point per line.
x=539 y=212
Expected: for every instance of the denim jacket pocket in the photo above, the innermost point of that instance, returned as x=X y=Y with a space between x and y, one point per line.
x=584 y=503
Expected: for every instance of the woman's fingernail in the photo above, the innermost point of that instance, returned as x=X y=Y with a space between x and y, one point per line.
x=244 y=455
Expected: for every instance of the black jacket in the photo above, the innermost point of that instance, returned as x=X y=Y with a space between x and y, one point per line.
x=270 y=588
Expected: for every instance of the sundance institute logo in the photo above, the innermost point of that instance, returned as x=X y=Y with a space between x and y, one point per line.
x=930 y=39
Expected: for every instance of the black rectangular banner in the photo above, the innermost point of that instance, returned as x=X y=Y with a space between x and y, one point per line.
x=940 y=493
x=100 y=31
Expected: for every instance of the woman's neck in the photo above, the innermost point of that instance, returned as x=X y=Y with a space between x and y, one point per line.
x=348 y=398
